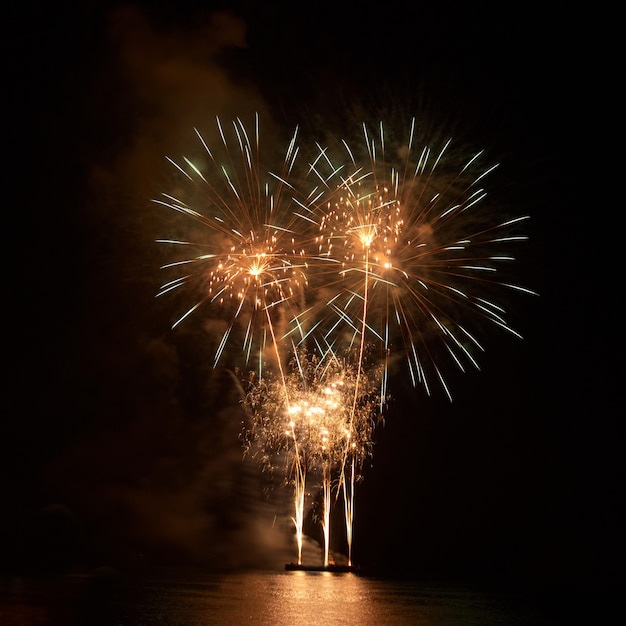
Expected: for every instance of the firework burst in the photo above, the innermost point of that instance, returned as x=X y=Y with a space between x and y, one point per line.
x=241 y=254
x=420 y=256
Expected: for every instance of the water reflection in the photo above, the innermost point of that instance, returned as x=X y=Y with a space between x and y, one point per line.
x=263 y=598
x=300 y=597
x=290 y=598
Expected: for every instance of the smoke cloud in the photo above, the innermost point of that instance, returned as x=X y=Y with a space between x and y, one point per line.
x=156 y=472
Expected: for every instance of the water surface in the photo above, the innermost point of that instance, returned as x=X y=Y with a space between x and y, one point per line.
x=193 y=598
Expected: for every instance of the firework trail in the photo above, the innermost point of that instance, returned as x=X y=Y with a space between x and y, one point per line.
x=413 y=250
x=245 y=256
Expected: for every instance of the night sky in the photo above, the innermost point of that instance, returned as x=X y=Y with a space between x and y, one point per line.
x=119 y=442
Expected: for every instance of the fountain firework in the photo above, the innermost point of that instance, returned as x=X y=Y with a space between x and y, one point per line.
x=309 y=419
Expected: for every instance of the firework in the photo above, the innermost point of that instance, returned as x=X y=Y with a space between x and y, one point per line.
x=364 y=248
x=241 y=255
x=309 y=419
x=419 y=254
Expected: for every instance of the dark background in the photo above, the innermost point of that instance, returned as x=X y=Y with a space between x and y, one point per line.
x=119 y=442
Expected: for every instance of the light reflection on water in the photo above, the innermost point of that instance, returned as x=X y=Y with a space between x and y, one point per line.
x=272 y=598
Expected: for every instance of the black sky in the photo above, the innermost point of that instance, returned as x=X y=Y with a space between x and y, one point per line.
x=116 y=436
